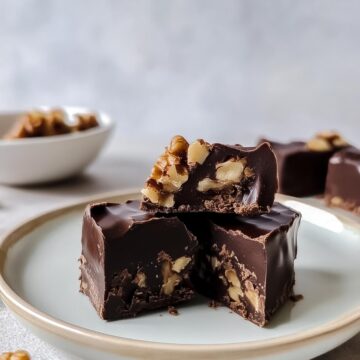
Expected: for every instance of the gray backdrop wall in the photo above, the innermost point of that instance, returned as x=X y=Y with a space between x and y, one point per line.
x=225 y=70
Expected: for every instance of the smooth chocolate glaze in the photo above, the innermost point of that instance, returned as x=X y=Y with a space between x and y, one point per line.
x=343 y=180
x=121 y=245
x=301 y=172
x=261 y=250
x=251 y=196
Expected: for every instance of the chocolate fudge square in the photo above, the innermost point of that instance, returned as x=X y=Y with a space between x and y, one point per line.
x=246 y=263
x=302 y=167
x=203 y=177
x=133 y=261
x=343 y=180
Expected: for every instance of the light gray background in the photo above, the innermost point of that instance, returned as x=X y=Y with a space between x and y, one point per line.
x=226 y=70
x=223 y=70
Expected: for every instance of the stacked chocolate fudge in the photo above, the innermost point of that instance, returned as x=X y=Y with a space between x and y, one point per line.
x=207 y=223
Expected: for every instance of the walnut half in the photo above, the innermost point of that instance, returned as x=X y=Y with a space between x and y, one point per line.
x=227 y=174
x=171 y=272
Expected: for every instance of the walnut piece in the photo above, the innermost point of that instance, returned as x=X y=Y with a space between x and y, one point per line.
x=235 y=293
x=17 y=355
x=180 y=264
x=318 y=144
x=154 y=194
x=151 y=192
x=38 y=123
x=232 y=277
x=215 y=263
x=253 y=296
x=168 y=174
x=140 y=279
x=178 y=146
x=171 y=279
x=173 y=311
x=171 y=271
x=326 y=141
x=336 y=201
x=234 y=290
x=85 y=122
x=230 y=171
x=207 y=184
x=197 y=152
x=227 y=174
x=173 y=177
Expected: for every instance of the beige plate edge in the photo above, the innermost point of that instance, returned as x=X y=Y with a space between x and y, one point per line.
x=138 y=348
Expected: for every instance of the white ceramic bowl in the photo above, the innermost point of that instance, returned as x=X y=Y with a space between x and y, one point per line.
x=45 y=159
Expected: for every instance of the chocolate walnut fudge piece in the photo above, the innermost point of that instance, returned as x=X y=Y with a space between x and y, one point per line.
x=201 y=177
x=343 y=180
x=302 y=166
x=134 y=261
x=246 y=263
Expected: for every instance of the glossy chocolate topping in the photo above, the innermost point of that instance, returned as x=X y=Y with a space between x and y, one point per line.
x=118 y=218
x=254 y=227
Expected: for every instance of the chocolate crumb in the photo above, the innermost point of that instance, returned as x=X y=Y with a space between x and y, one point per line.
x=173 y=311
x=213 y=304
x=296 y=298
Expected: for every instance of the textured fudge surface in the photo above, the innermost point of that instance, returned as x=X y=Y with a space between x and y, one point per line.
x=133 y=261
x=213 y=178
x=343 y=180
x=302 y=166
x=247 y=263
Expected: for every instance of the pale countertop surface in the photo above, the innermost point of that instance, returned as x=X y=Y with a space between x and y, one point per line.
x=115 y=169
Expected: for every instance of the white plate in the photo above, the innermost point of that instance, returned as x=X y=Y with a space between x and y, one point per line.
x=39 y=283
x=52 y=158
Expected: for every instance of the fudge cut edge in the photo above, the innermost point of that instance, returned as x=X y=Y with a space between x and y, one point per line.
x=252 y=276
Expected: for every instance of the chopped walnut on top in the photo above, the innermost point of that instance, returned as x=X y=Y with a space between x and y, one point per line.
x=38 y=123
x=171 y=170
x=326 y=141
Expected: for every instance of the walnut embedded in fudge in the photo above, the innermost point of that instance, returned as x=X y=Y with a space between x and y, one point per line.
x=134 y=261
x=326 y=141
x=211 y=177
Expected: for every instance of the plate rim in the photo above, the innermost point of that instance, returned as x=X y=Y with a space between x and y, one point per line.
x=134 y=347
